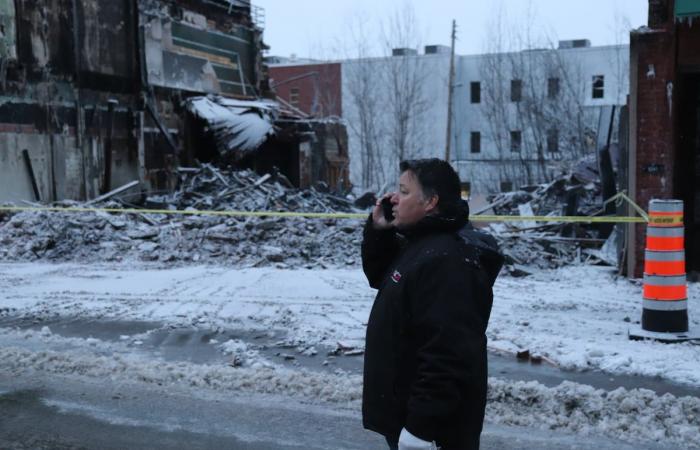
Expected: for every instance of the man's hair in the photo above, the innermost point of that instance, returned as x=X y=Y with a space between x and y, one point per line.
x=436 y=177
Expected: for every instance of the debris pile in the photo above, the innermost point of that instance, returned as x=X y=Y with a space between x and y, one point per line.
x=240 y=241
x=529 y=244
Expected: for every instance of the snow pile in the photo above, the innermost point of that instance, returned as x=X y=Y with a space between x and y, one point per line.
x=632 y=415
x=242 y=355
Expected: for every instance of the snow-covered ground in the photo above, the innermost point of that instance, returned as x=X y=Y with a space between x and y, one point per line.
x=577 y=317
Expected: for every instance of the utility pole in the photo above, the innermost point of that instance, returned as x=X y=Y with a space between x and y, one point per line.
x=450 y=92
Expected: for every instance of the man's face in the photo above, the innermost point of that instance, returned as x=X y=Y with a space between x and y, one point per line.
x=410 y=205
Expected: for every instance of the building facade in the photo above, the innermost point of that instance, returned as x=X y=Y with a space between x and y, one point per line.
x=664 y=121
x=524 y=118
x=517 y=118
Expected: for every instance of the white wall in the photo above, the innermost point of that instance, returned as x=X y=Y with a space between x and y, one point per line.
x=485 y=170
x=428 y=137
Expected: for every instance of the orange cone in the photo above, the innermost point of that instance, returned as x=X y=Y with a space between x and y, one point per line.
x=665 y=291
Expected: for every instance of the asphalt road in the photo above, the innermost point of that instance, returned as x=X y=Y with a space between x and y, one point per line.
x=43 y=411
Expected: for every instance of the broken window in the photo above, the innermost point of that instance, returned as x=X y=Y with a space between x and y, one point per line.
x=475 y=92
x=294 y=97
x=506 y=186
x=516 y=141
x=552 y=88
x=598 y=86
x=516 y=90
x=476 y=142
x=553 y=140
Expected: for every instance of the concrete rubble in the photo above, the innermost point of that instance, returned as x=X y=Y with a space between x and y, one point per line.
x=283 y=242
x=241 y=241
x=530 y=244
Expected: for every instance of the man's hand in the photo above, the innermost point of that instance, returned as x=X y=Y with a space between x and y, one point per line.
x=378 y=220
x=407 y=441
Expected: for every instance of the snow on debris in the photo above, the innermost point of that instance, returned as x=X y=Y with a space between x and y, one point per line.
x=240 y=127
x=238 y=241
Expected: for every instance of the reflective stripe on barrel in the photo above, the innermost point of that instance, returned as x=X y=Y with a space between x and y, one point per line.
x=670 y=238
x=664 y=263
x=665 y=288
x=665 y=213
x=662 y=305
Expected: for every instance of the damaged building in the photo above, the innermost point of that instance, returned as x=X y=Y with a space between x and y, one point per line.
x=97 y=94
x=664 y=121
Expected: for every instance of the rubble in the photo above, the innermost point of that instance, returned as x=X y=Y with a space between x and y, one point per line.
x=240 y=241
x=528 y=244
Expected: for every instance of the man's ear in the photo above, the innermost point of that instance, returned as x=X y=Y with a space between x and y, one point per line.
x=431 y=204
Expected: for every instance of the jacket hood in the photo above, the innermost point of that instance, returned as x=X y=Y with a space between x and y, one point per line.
x=486 y=248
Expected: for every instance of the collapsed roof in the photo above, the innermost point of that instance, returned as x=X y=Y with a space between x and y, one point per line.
x=240 y=127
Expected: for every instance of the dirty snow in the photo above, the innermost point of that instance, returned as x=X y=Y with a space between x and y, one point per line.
x=575 y=317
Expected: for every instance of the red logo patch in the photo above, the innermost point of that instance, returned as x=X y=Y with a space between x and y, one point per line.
x=396 y=276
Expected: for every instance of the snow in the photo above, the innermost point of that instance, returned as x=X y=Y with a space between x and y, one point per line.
x=241 y=125
x=576 y=317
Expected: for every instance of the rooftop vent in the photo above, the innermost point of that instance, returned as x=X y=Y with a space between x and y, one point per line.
x=404 y=52
x=575 y=43
x=437 y=49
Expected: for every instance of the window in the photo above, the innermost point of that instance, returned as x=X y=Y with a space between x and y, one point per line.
x=516 y=90
x=466 y=189
x=553 y=140
x=506 y=186
x=294 y=97
x=475 y=92
x=516 y=141
x=598 y=86
x=476 y=142
x=552 y=88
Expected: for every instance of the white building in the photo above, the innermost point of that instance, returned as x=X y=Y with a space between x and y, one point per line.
x=517 y=118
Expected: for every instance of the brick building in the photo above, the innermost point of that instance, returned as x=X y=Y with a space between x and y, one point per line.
x=313 y=89
x=664 y=120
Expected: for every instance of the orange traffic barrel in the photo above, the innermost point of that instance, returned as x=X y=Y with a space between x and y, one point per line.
x=665 y=291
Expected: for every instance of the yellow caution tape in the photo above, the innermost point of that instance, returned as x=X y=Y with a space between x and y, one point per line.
x=666 y=221
x=478 y=218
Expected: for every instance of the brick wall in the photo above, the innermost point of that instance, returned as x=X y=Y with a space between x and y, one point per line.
x=318 y=87
x=655 y=125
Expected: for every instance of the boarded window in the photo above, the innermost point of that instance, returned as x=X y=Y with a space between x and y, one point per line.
x=475 y=92
x=516 y=141
x=598 y=86
x=552 y=88
x=553 y=140
x=475 y=142
x=516 y=90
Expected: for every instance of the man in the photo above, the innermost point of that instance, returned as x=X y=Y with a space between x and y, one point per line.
x=425 y=360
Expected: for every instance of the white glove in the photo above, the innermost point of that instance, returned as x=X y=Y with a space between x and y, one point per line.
x=407 y=441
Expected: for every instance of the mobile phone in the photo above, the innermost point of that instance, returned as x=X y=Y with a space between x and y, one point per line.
x=387 y=209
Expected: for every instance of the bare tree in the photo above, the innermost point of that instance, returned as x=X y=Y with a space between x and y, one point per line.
x=361 y=82
x=534 y=91
x=405 y=75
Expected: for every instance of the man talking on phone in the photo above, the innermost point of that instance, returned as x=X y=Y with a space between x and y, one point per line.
x=425 y=359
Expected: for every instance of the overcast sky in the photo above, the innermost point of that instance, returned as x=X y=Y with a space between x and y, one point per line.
x=315 y=28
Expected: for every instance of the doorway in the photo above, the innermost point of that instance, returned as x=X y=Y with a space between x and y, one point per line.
x=688 y=183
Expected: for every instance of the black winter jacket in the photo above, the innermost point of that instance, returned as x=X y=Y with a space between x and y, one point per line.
x=425 y=358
